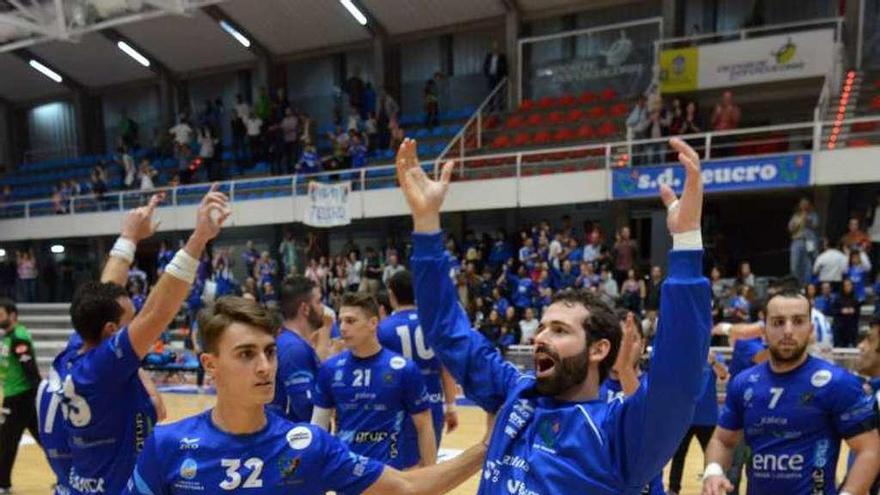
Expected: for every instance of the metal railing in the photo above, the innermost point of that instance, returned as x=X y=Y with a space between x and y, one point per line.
x=778 y=139
x=741 y=34
x=473 y=128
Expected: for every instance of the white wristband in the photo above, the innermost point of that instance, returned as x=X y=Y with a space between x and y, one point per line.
x=844 y=493
x=713 y=469
x=183 y=267
x=691 y=240
x=123 y=249
x=725 y=329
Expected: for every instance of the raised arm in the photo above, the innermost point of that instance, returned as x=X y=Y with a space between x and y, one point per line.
x=137 y=226
x=174 y=285
x=475 y=364
x=663 y=412
x=450 y=391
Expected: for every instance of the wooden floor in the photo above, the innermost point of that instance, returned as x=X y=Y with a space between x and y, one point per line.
x=32 y=476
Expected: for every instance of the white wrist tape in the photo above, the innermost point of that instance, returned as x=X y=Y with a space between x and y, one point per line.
x=713 y=469
x=844 y=493
x=725 y=328
x=123 y=249
x=183 y=267
x=691 y=240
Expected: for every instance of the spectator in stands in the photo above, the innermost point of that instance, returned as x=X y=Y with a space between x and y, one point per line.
x=652 y=286
x=254 y=127
x=588 y=278
x=825 y=300
x=855 y=238
x=632 y=292
x=26 y=266
x=59 y=203
x=658 y=127
x=250 y=256
x=371 y=129
x=287 y=251
x=830 y=266
x=744 y=275
x=129 y=170
x=608 y=288
x=528 y=327
x=802 y=228
x=128 y=131
x=266 y=269
x=625 y=254
x=358 y=151
x=430 y=103
x=386 y=118
x=676 y=117
x=692 y=123
x=392 y=267
x=353 y=270
x=727 y=113
x=372 y=271
x=146 y=174
x=99 y=186
x=239 y=130
x=846 y=313
x=183 y=136
x=637 y=122
x=292 y=142
x=6 y=195
x=491 y=327
x=207 y=143
x=857 y=272
x=310 y=162
x=263 y=107
x=269 y=296
x=494 y=70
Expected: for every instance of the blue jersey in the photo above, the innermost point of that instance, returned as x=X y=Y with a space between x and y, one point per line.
x=542 y=445
x=194 y=456
x=611 y=389
x=858 y=276
x=744 y=351
x=794 y=422
x=297 y=368
x=523 y=288
x=706 y=412
x=108 y=415
x=373 y=397
x=401 y=333
x=53 y=435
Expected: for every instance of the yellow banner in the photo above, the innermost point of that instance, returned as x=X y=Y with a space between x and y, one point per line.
x=679 y=70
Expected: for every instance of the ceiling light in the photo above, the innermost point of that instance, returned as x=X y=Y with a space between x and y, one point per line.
x=57 y=249
x=51 y=74
x=2 y=253
x=235 y=34
x=131 y=52
x=354 y=11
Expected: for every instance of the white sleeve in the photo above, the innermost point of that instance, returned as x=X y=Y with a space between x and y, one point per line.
x=321 y=417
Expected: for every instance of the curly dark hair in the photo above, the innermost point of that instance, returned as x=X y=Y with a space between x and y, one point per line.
x=600 y=323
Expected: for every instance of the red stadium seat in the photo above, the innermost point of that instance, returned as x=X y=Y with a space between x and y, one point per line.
x=502 y=141
x=585 y=132
x=554 y=118
x=567 y=100
x=541 y=137
x=858 y=143
x=522 y=139
x=865 y=127
x=515 y=121
x=534 y=119
x=564 y=134
x=598 y=113
x=875 y=103
x=491 y=122
x=607 y=129
x=547 y=102
x=526 y=105
x=587 y=97
x=619 y=110
x=574 y=115
x=609 y=94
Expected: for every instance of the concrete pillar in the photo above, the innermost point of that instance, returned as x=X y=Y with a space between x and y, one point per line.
x=380 y=65
x=6 y=160
x=511 y=34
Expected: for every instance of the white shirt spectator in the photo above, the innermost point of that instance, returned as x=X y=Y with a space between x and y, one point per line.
x=592 y=252
x=253 y=126
x=528 y=329
x=183 y=133
x=242 y=110
x=353 y=276
x=147 y=180
x=555 y=249
x=128 y=165
x=390 y=271
x=206 y=146
x=874 y=229
x=831 y=265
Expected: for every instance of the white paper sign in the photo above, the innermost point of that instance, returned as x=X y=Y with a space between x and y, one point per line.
x=329 y=205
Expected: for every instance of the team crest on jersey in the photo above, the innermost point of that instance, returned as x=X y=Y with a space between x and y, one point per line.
x=754 y=377
x=820 y=378
x=397 y=363
x=747 y=395
x=299 y=438
x=807 y=397
x=548 y=431
x=189 y=468
x=337 y=377
x=287 y=466
x=388 y=378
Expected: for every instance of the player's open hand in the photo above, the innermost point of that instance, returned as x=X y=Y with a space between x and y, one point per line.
x=630 y=346
x=212 y=213
x=424 y=195
x=717 y=485
x=683 y=215
x=138 y=223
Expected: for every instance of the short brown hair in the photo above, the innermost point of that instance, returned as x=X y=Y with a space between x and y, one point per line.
x=361 y=300
x=216 y=318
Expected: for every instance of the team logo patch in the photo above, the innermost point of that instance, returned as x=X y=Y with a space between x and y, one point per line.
x=388 y=378
x=397 y=363
x=287 y=467
x=747 y=395
x=337 y=377
x=820 y=378
x=188 y=469
x=299 y=437
x=548 y=430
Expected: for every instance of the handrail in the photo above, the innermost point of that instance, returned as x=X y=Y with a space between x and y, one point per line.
x=475 y=117
x=743 y=33
x=361 y=175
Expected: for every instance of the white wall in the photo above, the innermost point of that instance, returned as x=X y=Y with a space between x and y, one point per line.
x=847 y=166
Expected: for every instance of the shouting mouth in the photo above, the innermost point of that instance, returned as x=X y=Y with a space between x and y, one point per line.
x=544 y=364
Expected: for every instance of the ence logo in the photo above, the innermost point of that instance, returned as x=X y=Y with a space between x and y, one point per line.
x=785 y=53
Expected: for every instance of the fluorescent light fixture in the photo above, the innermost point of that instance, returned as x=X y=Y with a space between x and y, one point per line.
x=131 y=52
x=57 y=249
x=51 y=74
x=2 y=253
x=354 y=11
x=235 y=34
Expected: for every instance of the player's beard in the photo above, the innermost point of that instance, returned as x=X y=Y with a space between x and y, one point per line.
x=316 y=319
x=567 y=372
x=790 y=355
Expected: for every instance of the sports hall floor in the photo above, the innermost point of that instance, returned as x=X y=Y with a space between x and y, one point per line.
x=32 y=475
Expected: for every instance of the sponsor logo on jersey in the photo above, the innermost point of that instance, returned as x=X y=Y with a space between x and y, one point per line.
x=338 y=376
x=773 y=420
x=777 y=463
x=189 y=469
x=187 y=443
x=299 y=437
x=141 y=431
x=820 y=378
x=548 y=432
x=397 y=363
x=287 y=467
x=360 y=464
x=86 y=485
x=370 y=436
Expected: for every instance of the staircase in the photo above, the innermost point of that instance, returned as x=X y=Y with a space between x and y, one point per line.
x=50 y=327
x=841 y=107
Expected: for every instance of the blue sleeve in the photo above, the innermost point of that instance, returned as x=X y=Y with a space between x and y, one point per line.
x=853 y=410
x=662 y=412
x=415 y=393
x=147 y=477
x=323 y=396
x=485 y=377
x=731 y=416
x=343 y=470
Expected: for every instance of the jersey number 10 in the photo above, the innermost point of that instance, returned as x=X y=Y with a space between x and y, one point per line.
x=424 y=352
